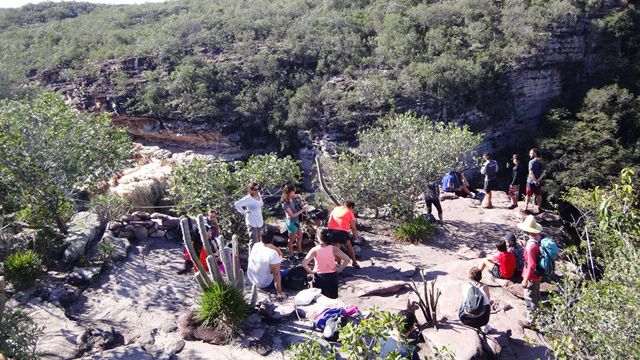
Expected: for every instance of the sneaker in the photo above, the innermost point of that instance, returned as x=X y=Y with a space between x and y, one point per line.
x=512 y=207
x=183 y=271
x=356 y=266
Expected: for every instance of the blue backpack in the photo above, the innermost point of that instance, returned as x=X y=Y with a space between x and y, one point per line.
x=451 y=182
x=548 y=255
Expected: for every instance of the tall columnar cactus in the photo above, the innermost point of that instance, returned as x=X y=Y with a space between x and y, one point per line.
x=234 y=275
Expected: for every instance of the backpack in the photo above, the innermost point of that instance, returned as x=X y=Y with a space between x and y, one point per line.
x=451 y=182
x=548 y=255
x=491 y=169
x=474 y=302
x=296 y=279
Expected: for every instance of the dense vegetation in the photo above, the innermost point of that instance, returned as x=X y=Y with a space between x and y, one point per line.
x=284 y=65
x=48 y=152
x=599 y=319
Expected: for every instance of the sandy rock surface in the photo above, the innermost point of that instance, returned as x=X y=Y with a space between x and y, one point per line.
x=142 y=297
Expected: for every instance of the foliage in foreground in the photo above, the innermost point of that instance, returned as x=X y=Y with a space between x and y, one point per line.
x=18 y=336
x=361 y=341
x=396 y=159
x=48 y=150
x=22 y=268
x=199 y=185
x=415 y=230
x=600 y=320
x=221 y=302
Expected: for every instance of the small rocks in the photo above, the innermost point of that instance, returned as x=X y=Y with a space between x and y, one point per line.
x=84 y=275
x=141 y=225
x=100 y=338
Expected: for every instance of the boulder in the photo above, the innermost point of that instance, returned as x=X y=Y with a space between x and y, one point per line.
x=141 y=232
x=115 y=225
x=156 y=215
x=128 y=352
x=157 y=234
x=83 y=228
x=171 y=222
x=84 y=275
x=118 y=247
x=60 y=336
x=140 y=216
x=101 y=338
x=463 y=341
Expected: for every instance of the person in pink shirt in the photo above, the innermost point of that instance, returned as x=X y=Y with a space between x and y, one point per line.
x=530 y=280
x=325 y=272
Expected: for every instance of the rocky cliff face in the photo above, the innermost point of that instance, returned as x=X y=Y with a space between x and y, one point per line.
x=573 y=58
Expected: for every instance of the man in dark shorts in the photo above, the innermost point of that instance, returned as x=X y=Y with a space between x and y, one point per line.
x=490 y=171
x=534 y=179
x=341 y=220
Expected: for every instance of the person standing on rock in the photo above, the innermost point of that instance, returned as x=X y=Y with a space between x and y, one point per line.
x=325 y=272
x=534 y=179
x=341 y=220
x=490 y=171
x=432 y=198
x=292 y=212
x=517 y=175
x=530 y=280
x=251 y=207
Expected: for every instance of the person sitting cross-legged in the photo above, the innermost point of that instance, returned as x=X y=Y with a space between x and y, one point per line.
x=502 y=265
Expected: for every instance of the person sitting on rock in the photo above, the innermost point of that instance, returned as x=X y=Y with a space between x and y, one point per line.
x=475 y=309
x=263 y=269
x=455 y=182
x=502 y=265
x=516 y=249
x=325 y=272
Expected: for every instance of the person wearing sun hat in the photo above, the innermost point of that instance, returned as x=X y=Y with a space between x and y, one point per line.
x=530 y=280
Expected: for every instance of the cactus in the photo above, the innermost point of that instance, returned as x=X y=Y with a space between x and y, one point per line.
x=234 y=274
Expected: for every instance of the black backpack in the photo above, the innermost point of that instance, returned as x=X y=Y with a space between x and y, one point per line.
x=296 y=279
x=474 y=302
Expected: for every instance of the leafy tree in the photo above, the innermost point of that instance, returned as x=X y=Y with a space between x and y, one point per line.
x=599 y=320
x=397 y=158
x=589 y=149
x=48 y=151
x=198 y=185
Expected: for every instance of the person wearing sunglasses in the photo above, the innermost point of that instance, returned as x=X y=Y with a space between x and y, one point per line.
x=251 y=207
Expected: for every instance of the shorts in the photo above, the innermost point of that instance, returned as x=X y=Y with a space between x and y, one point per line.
x=495 y=271
x=435 y=203
x=534 y=189
x=255 y=234
x=327 y=283
x=514 y=191
x=292 y=226
x=338 y=236
x=490 y=185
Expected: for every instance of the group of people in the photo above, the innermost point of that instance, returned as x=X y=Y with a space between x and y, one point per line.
x=533 y=188
x=455 y=182
x=263 y=269
x=514 y=260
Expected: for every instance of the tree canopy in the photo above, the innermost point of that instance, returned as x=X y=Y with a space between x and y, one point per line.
x=49 y=151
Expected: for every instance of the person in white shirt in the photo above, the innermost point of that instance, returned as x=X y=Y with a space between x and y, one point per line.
x=263 y=269
x=251 y=207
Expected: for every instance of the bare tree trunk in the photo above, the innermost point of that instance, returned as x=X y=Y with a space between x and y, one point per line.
x=323 y=185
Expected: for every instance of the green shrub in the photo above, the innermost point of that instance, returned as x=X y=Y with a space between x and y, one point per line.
x=415 y=230
x=106 y=249
x=222 y=303
x=109 y=207
x=365 y=340
x=310 y=350
x=18 y=336
x=22 y=268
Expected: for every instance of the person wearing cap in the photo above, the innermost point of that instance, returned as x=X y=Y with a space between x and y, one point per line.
x=251 y=207
x=530 y=280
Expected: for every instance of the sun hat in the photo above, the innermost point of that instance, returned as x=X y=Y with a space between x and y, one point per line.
x=530 y=225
